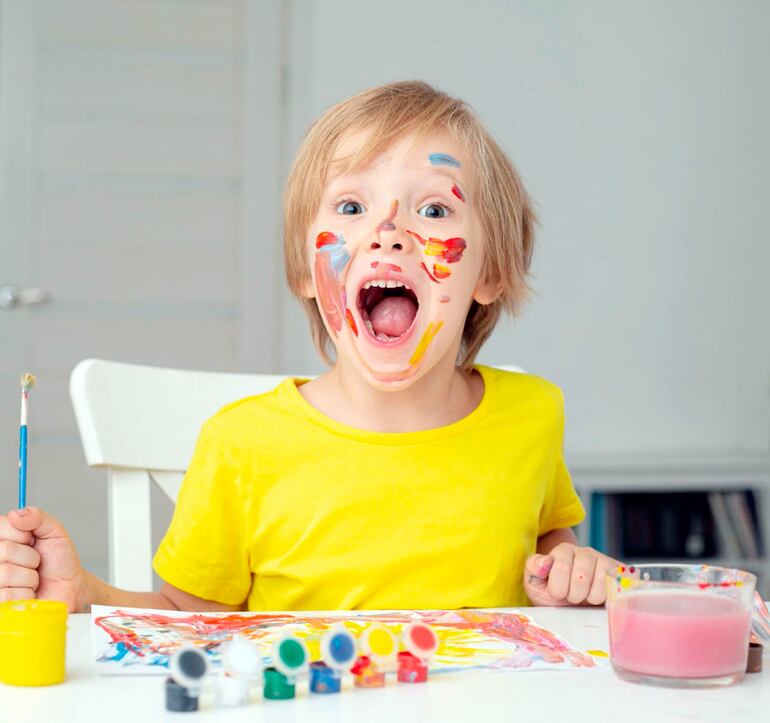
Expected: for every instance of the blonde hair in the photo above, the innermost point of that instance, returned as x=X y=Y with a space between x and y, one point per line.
x=382 y=116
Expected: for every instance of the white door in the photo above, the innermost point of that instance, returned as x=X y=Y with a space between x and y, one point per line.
x=140 y=180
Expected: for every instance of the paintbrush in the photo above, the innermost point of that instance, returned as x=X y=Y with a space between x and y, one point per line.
x=27 y=382
x=760 y=622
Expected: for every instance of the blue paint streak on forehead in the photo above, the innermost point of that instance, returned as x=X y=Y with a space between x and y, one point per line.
x=443 y=159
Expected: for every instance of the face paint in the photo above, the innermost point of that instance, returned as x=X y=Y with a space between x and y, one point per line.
x=400 y=322
x=331 y=258
x=449 y=251
x=387 y=224
x=440 y=272
x=430 y=276
x=351 y=321
x=427 y=338
x=333 y=245
x=443 y=159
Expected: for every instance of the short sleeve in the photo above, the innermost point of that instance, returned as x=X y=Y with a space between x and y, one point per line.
x=562 y=506
x=204 y=550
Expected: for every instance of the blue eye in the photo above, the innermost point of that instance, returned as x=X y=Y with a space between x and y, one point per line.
x=434 y=210
x=350 y=208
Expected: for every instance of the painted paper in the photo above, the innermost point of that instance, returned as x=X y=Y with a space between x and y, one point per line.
x=134 y=641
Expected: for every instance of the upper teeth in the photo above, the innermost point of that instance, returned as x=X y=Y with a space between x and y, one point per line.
x=385 y=284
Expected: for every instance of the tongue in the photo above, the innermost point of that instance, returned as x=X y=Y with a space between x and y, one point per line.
x=393 y=315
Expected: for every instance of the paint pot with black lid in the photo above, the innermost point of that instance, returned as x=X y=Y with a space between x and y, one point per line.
x=188 y=668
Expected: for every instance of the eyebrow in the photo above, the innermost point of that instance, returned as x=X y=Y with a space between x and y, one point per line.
x=443 y=159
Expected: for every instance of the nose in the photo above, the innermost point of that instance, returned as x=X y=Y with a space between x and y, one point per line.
x=390 y=236
x=394 y=241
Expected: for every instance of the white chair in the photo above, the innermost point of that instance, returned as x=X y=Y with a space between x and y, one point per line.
x=140 y=423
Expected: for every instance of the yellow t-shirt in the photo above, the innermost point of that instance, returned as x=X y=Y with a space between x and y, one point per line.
x=287 y=509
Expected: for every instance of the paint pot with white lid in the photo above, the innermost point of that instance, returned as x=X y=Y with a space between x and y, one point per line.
x=242 y=664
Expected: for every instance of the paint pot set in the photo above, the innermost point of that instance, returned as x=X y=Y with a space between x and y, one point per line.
x=242 y=665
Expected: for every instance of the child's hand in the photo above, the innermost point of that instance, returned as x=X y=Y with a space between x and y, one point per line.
x=38 y=560
x=567 y=575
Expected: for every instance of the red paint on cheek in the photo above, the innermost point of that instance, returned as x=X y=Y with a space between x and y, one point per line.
x=330 y=296
x=325 y=238
x=457 y=192
x=351 y=321
x=449 y=251
x=375 y=264
x=425 y=269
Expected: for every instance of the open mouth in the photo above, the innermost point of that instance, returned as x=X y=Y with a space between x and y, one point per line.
x=388 y=309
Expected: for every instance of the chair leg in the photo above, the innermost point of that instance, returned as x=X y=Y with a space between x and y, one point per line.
x=130 y=529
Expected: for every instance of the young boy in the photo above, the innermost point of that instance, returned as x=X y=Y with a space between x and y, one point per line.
x=405 y=476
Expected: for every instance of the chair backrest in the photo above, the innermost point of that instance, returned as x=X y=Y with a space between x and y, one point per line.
x=141 y=424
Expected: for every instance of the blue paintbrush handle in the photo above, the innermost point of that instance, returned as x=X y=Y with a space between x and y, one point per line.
x=23 y=466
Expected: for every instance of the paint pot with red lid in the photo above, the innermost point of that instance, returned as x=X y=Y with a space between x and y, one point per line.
x=411 y=669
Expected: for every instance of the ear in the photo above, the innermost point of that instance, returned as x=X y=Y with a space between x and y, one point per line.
x=487 y=291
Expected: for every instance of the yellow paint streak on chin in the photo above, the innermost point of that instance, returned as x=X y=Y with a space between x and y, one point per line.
x=427 y=338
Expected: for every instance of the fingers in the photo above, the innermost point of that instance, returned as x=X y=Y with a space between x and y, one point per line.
x=578 y=574
x=42 y=525
x=582 y=577
x=10 y=532
x=561 y=571
x=16 y=593
x=17 y=554
x=15 y=576
x=537 y=568
x=598 y=593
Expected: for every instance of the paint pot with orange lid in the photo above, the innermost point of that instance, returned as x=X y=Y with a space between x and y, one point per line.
x=32 y=642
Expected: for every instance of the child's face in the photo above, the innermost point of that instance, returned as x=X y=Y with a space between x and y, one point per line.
x=396 y=253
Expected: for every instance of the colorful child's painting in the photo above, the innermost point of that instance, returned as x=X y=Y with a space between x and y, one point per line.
x=140 y=641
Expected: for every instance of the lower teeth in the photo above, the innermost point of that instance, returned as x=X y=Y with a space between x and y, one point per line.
x=385 y=337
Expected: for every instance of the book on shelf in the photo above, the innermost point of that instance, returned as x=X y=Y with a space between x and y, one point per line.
x=696 y=525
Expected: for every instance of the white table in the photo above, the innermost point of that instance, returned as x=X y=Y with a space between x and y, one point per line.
x=476 y=697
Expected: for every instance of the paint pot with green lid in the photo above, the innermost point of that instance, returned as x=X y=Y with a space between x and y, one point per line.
x=276 y=685
x=290 y=655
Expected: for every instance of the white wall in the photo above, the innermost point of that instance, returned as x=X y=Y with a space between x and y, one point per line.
x=641 y=131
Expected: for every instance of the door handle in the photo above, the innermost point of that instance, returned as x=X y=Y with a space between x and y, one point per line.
x=11 y=296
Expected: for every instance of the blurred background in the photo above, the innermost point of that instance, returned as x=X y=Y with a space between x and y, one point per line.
x=143 y=149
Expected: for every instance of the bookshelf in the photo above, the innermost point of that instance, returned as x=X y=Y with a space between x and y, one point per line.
x=667 y=479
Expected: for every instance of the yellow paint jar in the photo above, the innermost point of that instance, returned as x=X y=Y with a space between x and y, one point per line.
x=32 y=642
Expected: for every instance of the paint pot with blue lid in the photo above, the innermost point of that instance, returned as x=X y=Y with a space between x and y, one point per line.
x=338 y=652
x=188 y=668
x=324 y=679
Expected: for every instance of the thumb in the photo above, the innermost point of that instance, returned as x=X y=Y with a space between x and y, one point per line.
x=536 y=571
x=42 y=525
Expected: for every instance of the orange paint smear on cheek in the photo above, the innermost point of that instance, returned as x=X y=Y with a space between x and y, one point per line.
x=351 y=321
x=441 y=272
x=430 y=276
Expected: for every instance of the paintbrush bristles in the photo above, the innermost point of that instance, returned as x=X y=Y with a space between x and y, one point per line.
x=27 y=382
